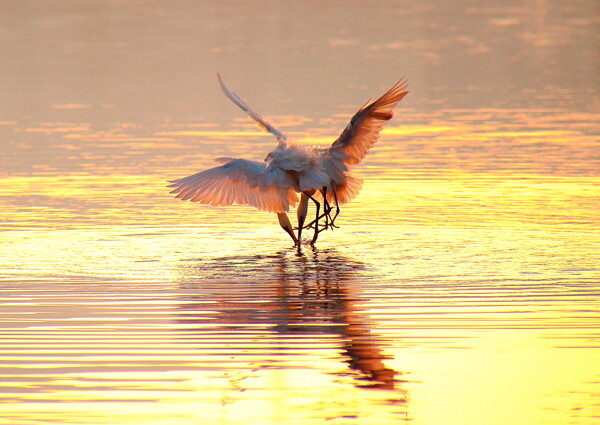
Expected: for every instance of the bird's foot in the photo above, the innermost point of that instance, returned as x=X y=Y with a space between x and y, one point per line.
x=322 y=226
x=303 y=242
x=328 y=223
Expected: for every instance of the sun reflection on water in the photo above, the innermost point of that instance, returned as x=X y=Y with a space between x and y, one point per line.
x=462 y=284
x=307 y=296
x=284 y=312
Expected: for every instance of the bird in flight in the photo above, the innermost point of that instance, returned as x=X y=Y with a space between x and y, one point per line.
x=319 y=175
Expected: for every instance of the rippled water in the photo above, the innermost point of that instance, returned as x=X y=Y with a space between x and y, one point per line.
x=462 y=286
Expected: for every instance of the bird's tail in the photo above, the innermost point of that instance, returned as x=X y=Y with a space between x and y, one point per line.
x=345 y=191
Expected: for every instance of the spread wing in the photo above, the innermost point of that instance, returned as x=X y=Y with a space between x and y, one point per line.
x=362 y=131
x=239 y=181
x=256 y=117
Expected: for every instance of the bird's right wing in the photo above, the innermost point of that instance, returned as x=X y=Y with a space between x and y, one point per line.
x=362 y=131
x=256 y=117
x=239 y=181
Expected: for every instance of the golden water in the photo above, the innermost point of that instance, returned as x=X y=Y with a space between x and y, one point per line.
x=460 y=288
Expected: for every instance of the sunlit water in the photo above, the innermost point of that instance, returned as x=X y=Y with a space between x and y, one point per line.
x=460 y=288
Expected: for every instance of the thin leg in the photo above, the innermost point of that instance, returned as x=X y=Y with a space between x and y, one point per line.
x=326 y=213
x=285 y=224
x=337 y=209
x=301 y=213
x=330 y=221
x=316 y=235
x=326 y=207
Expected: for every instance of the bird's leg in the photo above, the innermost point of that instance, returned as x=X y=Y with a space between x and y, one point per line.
x=337 y=210
x=317 y=206
x=284 y=222
x=301 y=213
x=329 y=221
x=311 y=225
x=315 y=222
x=326 y=213
x=326 y=207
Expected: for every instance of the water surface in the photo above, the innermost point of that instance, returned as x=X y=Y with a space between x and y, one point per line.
x=460 y=288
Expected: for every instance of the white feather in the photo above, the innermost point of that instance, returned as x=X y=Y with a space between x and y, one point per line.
x=272 y=185
x=239 y=181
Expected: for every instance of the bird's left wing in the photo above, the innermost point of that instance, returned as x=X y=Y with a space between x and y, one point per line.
x=239 y=181
x=256 y=117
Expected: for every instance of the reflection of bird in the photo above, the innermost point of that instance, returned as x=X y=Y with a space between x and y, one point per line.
x=289 y=169
x=311 y=298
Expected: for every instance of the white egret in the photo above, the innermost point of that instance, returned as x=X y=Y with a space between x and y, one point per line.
x=290 y=169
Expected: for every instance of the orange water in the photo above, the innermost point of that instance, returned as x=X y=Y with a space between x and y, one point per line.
x=460 y=288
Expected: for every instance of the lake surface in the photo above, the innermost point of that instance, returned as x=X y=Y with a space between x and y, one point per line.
x=462 y=286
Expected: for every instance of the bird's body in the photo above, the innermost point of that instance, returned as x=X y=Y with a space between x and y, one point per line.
x=291 y=169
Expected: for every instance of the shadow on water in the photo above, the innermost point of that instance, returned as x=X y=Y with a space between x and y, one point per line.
x=304 y=296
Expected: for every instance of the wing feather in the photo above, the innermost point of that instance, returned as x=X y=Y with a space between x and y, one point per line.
x=362 y=131
x=256 y=117
x=219 y=195
x=239 y=181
